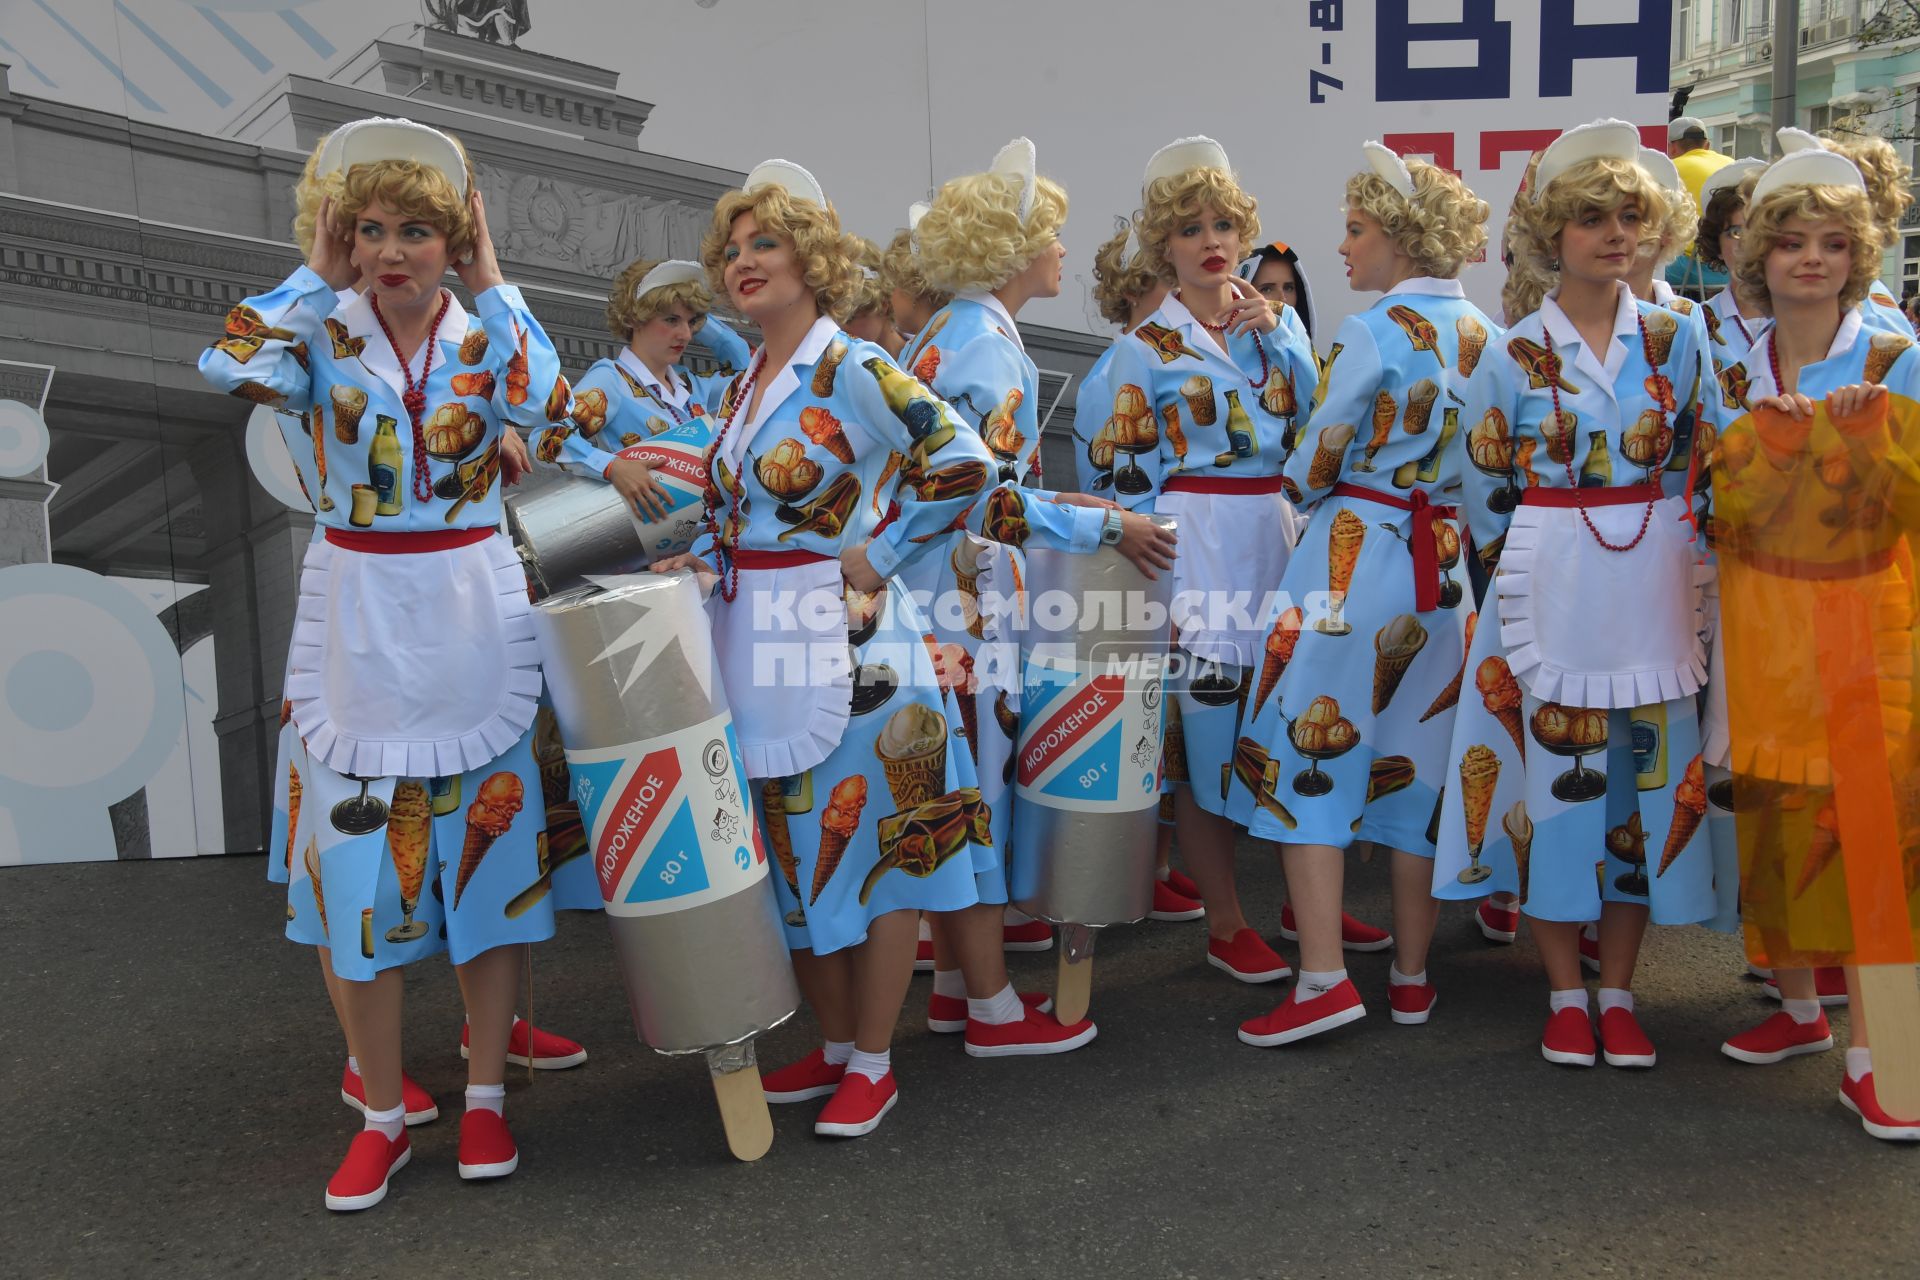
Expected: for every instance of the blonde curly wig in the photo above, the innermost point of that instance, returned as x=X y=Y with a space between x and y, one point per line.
x=1118 y=284
x=1533 y=231
x=409 y=188
x=900 y=269
x=829 y=258
x=973 y=239
x=625 y=313
x=1766 y=224
x=1442 y=226
x=1173 y=201
x=1887 y=176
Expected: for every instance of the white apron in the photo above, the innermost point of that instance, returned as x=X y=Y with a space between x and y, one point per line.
x=782 y=649
x=1234 y=549
x=417 y=665
x=1587 y=627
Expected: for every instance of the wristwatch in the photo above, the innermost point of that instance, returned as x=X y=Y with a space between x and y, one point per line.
x=1115 y=526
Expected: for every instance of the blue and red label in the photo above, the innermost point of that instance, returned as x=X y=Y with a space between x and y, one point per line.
x=1088 y=742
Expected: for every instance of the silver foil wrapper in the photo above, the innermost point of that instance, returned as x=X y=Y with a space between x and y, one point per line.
x=1086 y=782
x=662 y=792
x=571 y=528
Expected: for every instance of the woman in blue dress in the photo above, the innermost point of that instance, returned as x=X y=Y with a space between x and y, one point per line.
x=1347 y=734
x=1589 y=640
x=868 y=793
x=415 y=791
x=1208 y=395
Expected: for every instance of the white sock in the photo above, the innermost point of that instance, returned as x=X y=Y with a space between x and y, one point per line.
x=836 y=1052
x=1015 y=915
x=926 y=934
x=1591 y=932
x=1616 y=998
x=1573 y=998
x=874 y=1066
x=1804 y=1012
x=1858 y=1063
x=1163 y=874
x=998 y=1009
x=487 y=1097
x=353 y=1064
x=1313 y=984
x=1395 y=978
x=390 y=1124
x=950 y=982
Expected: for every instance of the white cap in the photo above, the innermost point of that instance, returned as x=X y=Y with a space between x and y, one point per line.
x=1809 y=167
x=1018 y=159
x=1681 y=126
x=1595 y=140
x=1792 y=140
x=672 y=271
x=916 y=211
x=798 y=183
x=1388 y=164
x=383 y=138
x=1665 y=174
x=1183 y=154
x=1728 y=175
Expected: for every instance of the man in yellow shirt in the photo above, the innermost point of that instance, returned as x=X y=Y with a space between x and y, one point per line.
x=1687 y=145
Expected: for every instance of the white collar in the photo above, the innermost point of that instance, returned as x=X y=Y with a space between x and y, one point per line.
x=1177 y=314
x=998 y=308
x=783 y=384
x=1760 y=360
x=1603 y=367
x=1663 y=293
x=377 y=355
x=1431 y=286
x=672 y=393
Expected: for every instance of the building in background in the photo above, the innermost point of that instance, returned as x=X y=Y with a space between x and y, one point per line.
x=1859 y=72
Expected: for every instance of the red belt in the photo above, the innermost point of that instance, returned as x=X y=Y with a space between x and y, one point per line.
x=1817 y=571
x=1420 y=541
x=1223 y=484
x=1626 y=496
x=407 y=544
x=748 y=558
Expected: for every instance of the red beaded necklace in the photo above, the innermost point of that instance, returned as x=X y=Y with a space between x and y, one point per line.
x=416 y=397
x=1261 y=347
x=1579 y=494
x=1773 y=364
x=742 y=392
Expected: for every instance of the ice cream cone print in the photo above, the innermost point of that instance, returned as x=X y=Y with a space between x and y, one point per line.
x=294 y=789
x=823 y=373
x=1882 y=351
x=1689 y=807
x=1519 y=829
x=349 y=403
x=1329 y=454
x=912 y=749
x=1479 y=771
x=1500 y=692
x=838 y=823
x=517 y=373
x=1420 y=400
x=1473 y=340
x=1395 y=647
x=1281 y=642
x=1343 y=553
x=773 y=817
x=1450 y=696
x=824 y=430
x=312 y=859
x=1660 y=328
x=969 y=708
x=488 y=817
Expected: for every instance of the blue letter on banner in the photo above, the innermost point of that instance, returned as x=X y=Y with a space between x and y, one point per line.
x=1562 y=40
x=1489 y=77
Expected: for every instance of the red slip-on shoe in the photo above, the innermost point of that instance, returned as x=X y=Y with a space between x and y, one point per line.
x=1779 y=1038
x=361 y=1180
x=1169 y=905
x=1034 y=935
x=1622 y=1042
x=1829 y=984
x=1248 y=958
x=486 y=1148
x=857 y=1106
x=1590 y=950
x=1857 y=1096
x=1355 y=935
x=1296 y=1019
x=1498 y=925
x=947 y=1015
x=1568 y=1039
x=1411 y=1005
x=550 y=1052
x=1182 y=883
x=811 y=1077
x=419 y=1103
x=1036 y=1033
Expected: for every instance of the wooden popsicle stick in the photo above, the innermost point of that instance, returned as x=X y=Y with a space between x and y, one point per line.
x=1072 y=988
x=743 y=1112
x=1890 y=1000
